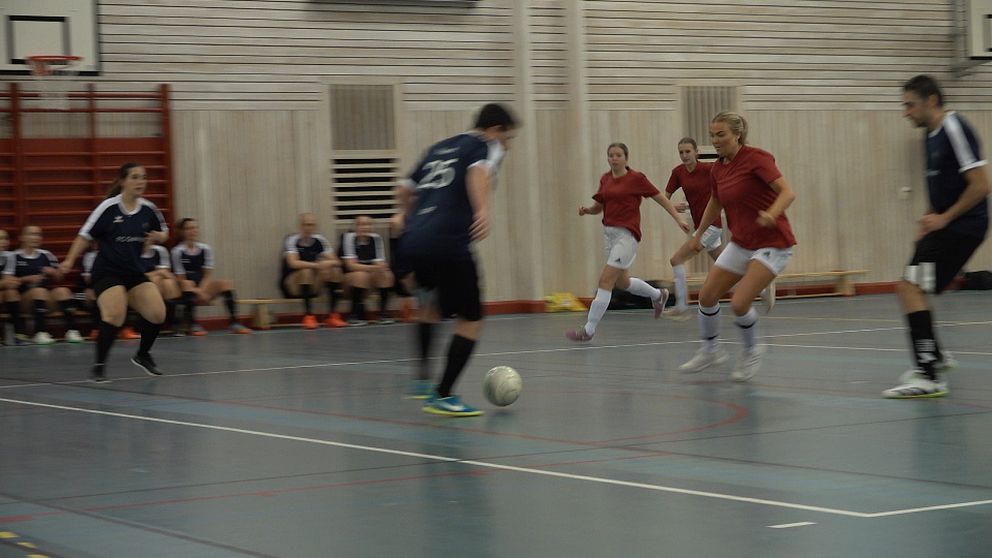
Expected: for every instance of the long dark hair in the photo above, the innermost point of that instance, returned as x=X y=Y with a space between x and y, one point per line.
x=116 y=186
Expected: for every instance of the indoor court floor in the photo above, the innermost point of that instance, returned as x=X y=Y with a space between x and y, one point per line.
x=300 y=443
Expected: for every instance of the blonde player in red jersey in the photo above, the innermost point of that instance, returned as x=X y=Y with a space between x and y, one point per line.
x=621 y=190
x=751 y=188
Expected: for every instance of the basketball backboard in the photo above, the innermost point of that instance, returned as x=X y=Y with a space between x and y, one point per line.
x=48 y=27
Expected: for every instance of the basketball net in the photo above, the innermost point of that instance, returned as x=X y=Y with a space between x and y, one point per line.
x=54 y=77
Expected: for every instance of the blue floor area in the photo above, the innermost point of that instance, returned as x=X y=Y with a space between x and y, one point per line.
x=300 y=443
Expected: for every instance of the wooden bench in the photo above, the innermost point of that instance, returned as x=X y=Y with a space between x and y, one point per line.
x=787 y=284
x=260 y=316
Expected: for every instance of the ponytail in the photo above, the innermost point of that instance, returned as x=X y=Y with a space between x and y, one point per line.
x=117 y=185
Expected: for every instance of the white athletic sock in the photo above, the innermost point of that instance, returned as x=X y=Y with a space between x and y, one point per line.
x=640 y=288
x=709 y=326
x=597 y=308
x=681 y=293
x=748 y=324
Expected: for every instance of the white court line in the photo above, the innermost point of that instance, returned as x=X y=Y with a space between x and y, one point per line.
x=527 y=470
x=844 y=348
x=790 y=525
x=430 y=457
x=501 y=353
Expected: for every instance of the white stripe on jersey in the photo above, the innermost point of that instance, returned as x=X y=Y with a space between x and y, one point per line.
x=294 y=239
x=110 y=202
x=10 y=264
x=177 y=260
x=967 y=158
x=349 y=251
x=163 y=256
x=493 y=158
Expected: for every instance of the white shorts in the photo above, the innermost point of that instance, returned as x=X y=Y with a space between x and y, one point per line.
x=620 y=247
x=711 y=238
x=736 y=259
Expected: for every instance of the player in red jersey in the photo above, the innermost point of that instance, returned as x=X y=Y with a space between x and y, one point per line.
x=619 y=199
x=748 y=185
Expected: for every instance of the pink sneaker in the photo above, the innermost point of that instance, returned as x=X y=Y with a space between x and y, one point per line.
x=659 y=305
x=578 y=334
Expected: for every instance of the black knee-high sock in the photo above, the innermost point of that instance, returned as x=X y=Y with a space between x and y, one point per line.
x=170 y=313
x=40 y=312
x=95 y=314
x=357 y=303
x=383 y=301
x=459 y=352
x=68 y=313
x=923 y=342
x=14 y=309
x=307 y=295
x=232 y=306
x=190 y=303
x=149 y=332
x=425 y=334
x=332 y=297
x=108 y=333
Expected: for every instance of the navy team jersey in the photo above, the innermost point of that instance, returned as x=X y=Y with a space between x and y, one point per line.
x=191 y=262
x=442 y=215
x=156 y=258
x=366 y=250
x=952 y=150
x=121 y=235
x=19 y=264
x=308 y=250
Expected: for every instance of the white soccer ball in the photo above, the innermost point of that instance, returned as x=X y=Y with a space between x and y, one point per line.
x=502 y=386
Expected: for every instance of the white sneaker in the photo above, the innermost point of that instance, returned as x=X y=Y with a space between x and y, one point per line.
x=768 y=297
x=73 y=336
x=943 y=367
x=659 y=305
x=42 y=338
x=702 y=360
x=914 y=384
x=748 y=363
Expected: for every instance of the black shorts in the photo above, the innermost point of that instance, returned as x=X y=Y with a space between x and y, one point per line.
x=24 y=287
x=948 y=251
x=454 y=283
x=105 y=282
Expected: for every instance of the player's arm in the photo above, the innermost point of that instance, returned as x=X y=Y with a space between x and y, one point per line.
x=710 y=214
x=977 y=189
x=478 y=184
x=785 y=198
x=78 y=246
x=664 y=201
x=594 y=209
x=405 y=197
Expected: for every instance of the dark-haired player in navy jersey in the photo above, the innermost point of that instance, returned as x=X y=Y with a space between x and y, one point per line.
x=950 y=232
x=446 y=199
x=120 y=225
x=193 y=264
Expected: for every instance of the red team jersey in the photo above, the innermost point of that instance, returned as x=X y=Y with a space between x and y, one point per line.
x=697 y=189
x=621 y=199
x=742 y=187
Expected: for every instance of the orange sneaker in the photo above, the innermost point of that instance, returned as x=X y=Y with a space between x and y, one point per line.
x=128 y=333
x=197 y=330
x=309 y=322
x=406 y=315
x=94 y=333
x=334 y=320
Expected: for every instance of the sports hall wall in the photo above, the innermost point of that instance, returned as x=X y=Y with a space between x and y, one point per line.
x=818 y=80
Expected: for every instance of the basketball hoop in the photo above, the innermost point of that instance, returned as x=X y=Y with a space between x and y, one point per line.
x=54 y=75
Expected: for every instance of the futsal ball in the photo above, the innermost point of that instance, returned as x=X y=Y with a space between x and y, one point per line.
x=502 y=386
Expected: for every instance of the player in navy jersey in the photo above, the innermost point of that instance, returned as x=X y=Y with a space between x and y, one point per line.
x=309 y=263
x=157 y=265
x=36 y=273
x=7 y=284
x=364 y=257
x=949 y=233
x=84 y=289
x=193 y=263
x=121 y=225
x=446 y=200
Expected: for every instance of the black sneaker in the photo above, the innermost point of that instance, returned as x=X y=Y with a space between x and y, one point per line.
x=147 y=364
x=97 y=375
